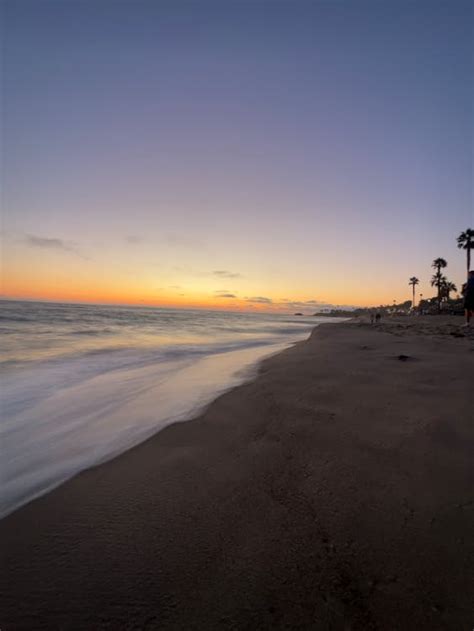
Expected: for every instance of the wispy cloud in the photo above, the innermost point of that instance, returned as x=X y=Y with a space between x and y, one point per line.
x=182 y=241
x=263 y=300
x=223 y=273
x=133 y=239
x=225 y=295
x=52 y=243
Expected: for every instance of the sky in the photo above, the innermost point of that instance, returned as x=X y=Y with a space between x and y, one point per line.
x=273 y=155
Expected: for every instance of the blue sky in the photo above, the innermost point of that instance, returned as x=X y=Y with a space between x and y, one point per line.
x=314 y=150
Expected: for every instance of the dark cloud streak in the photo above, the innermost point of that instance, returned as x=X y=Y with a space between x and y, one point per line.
x=52 y=243
x=222 y=273
x=260 y=299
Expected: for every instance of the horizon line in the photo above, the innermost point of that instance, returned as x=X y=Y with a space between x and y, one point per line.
x=178 y=308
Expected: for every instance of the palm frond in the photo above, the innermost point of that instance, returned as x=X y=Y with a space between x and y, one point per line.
x=466 y=239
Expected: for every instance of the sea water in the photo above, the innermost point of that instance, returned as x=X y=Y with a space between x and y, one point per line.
x=82 y=383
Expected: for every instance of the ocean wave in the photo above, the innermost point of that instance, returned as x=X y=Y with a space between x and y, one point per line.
x=81 y=383
x=74 y=426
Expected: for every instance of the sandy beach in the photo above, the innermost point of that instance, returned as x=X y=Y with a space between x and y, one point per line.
x=332 y=492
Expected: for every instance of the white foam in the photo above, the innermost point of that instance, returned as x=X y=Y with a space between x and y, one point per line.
x=61 y=422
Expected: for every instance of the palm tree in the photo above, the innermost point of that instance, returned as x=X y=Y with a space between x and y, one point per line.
x=438 y=278
x=439 y=263
x=466 y=242
x=448 y=287
x=413 y=281
x=439 y=281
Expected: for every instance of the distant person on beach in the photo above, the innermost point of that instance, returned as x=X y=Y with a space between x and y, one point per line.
x=377 y=317
x=468 y=293
x=372 y=317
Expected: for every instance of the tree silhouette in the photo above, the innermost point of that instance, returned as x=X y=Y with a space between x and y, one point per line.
x=413 y=282
x=448 y=287
x=438 y=279
x=466 y=242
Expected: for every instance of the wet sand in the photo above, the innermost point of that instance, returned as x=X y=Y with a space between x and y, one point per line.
x=332 y=492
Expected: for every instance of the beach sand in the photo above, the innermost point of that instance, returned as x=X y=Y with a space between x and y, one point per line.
x=335 y=491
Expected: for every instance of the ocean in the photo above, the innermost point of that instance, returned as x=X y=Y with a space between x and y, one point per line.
x=82 y=383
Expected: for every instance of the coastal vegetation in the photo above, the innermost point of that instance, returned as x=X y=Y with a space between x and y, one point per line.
x=466 y=242
x=413 y=282
x=438 y=279
x=440 y=303
x=447 y=288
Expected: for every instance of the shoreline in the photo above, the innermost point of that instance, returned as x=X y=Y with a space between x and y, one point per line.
x=295 y=500
x=211 y=376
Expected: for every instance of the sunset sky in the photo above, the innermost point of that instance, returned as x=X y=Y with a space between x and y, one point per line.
x=261 y=155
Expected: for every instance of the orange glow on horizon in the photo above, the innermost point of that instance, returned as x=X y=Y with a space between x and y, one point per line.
x=137 y=299
x=53 y=277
